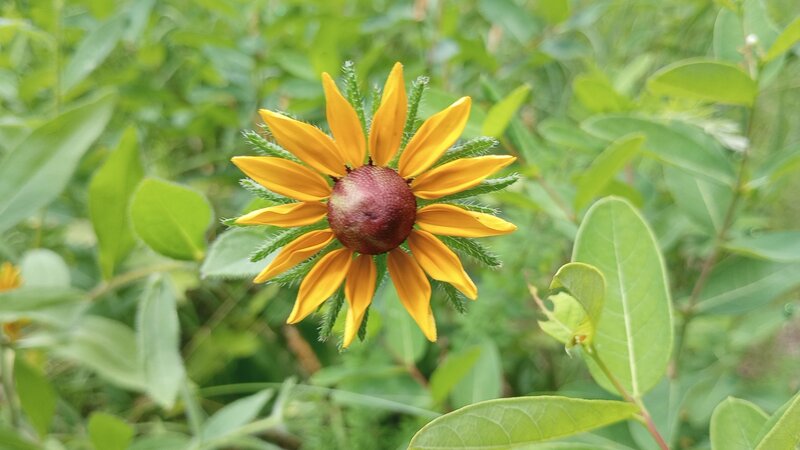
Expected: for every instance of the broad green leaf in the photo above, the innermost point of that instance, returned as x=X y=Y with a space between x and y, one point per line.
x=500 y=115
x=739 y=284
x=109 y=432
x=553 y=11
x=597 y=94
x=12 y=440
x=92 y=51
x=230 y=418
x=56 y=306
x=779 y=246
x=171 y=219
x=106 y=347
x=36 y=172
x=584 y=283
x=756 y=20
x=158 y=334
x=110 y=193
x=728 y=36
x=703 y=200
x=36 y=395
x=484 y=381
x=43 y=268
x=735 y=425
x=229 y=255
x=568 y=322
x=674 y=143
x=783 y=429
x=705 y=80
x=403 y=338
x=517 y=422
x=634 y=336
x=452 y=370
x=785 y=41
x=605 y=167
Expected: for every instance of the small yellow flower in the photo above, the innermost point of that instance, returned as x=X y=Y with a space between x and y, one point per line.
x=371 y=208
x=10 y=279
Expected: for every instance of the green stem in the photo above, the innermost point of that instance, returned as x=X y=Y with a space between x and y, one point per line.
x=128 y=277
x=194 y=415
x=9 y=392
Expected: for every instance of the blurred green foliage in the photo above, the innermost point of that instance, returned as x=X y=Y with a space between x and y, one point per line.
x=700 y=99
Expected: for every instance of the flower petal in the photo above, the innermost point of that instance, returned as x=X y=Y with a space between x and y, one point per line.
x=284 y=177
x=9 y=277
x=289 y=215
x=358 y=290
x=296 y=252
x=440 y=262
x=305 y=141
x=433 y=138
x=390 y=119
x=413 y=289
x=457 y=175
x=344 y=124
x=450 y=220
x=321 y=282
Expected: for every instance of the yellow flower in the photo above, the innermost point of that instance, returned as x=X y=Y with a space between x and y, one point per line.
x=370 y=207
x=10 y=279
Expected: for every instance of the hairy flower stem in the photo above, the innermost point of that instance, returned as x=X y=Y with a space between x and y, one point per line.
x=591 y=350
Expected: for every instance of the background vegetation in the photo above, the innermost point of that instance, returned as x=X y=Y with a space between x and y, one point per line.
x=132 y=341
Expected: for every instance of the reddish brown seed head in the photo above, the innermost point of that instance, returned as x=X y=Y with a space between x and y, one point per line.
x=372 y=210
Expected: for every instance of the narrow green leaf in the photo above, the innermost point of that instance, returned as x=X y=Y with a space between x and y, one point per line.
x=110 y=192
x=785 y=41
x=517 y=422
x=264 y=193
x=779 y=246
x=473 y=249
x=109 y=432
x=265 y=147
x=158 y=335
x=403 y=338
x=35 y=173
x=703 y=200
x=171 y=219
x=92 y=51
x=728 y=36
x=501 y=113
x=43 y=268
x=417 y=91
x=230 y=418
x=478 y=146
x=634 y=335
x=605 y=167
x=229 y=255
x=36 y=395
x=450 y=372
x=353 y=92
x=52 y=305
x=735 y=425
x=486 y=186
x=484 y=381
x=709 y=80
x=783 y=429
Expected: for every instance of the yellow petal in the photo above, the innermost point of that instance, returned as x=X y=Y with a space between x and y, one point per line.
x=457 y=175
x=433 y=138
x=390 y=119
x=358 y=290
x=344 y=123
x=449 y=220
x=296 y=252
x=9 y=277
x=413 y=289
x=284 y=177
x=305 y=141
x=321 y=282
x=290 y=215
x=440 y=262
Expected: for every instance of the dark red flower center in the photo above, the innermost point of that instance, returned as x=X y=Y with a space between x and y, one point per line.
x=372 y=210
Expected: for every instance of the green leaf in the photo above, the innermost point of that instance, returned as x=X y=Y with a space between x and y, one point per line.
x=605 y=167
x=12 y=440
x=568 y=322
x=697 y=79
x=779 y=246
x=738 y=285
x=450 y=372
x=43 y=268
x=728 y=36
x=553 y=11
x=501 y=113
x=783 y=428
x=674 y=143
x=92 y=51
x=785 y=41
x=703 y=200
x=634 y=335
x=229 y=255
x=109 y=432
x=171 y=219
x=585 y=284
x=53 y=305
x=516 y=422
x=110 y=193
x=484 y=381
x=735 y=425
x=473 y=249
x=403 y=338
x=158 y=334
x=597 y=94
x=36 y=395
x=227 y=420
x=35 y=173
